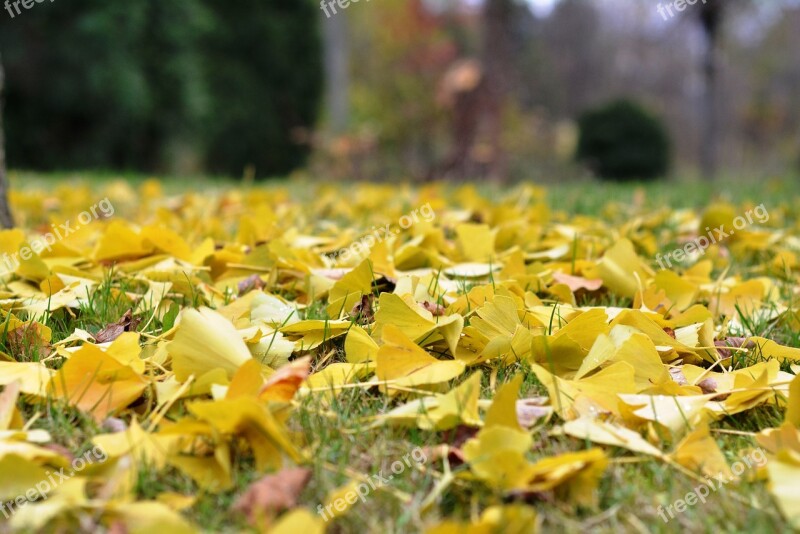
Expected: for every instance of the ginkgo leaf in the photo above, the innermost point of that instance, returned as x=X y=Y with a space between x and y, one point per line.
x=347 y=291
x=417 y=323
x=298 y=520
x=402 y=363
x=205 y=341
x=793 y=407
x=310 y=334
x=255 y=423
x=359 y=346
x=622 y=270
x=19 y=475
x=33 y=377
x=151 y=449
x=516 y=518
x=699 y=452
x=442 y=412
x=96 y=383
x=605 y=433
x=674 y=413
x=574 y=477
x=145 y=517
x=503 y=411
x=497 y=457
x=602 y=390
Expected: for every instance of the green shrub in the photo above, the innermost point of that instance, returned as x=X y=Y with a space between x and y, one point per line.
x=264 y=65
x=149 y=85
x=622 y=141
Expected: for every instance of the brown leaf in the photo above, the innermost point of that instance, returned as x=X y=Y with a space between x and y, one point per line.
x=454 y=439
x=272 y=494
x=436 y=309
x=127 y=323
x=677 y=376
x=364 y=311
x=26 y=342
x=251 y=283
x=708 y=385
x=282 y=385
x=729 y=342
x=531 y=410
x=575 y=283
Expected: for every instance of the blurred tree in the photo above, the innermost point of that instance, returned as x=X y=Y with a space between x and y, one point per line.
x=337 y=71
x=265 y=74
x=6 y=220
x=622 y=141
x=711 y=15
x=498 y=18
x=399 y=52
x=155 y=86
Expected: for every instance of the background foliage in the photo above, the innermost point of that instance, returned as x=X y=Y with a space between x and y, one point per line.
x=151 y=85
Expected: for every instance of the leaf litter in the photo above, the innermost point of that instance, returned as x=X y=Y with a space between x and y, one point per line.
x=236 y=317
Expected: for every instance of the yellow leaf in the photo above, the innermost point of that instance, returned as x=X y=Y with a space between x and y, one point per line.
x=503 y=411
x=205 y=341
x=497 y=457
x=417 y=323
x=699 y=452
x=509 y=519
x=255 y=423
x=793 y=409
x=442 y=412
x=298 y=520
x=96 y=383
x=402 y=363
x=347 y=292
x=359 y=346
x=573 y=476
x=605 y=433
x=622 y=270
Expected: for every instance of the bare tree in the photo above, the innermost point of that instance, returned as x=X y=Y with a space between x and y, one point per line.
x=712 y=14
x=6 y=220
x=498 y=18
x=337 y=66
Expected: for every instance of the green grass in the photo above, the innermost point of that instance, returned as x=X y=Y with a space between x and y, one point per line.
x=340 y=442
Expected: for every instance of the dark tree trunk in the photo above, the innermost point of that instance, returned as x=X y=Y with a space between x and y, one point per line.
x=337 y=71
x=711 y=18
x=498 y=67
x=6 y=220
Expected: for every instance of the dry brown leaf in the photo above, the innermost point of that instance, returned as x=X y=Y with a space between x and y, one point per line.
x=127 y=323
x=272 y=494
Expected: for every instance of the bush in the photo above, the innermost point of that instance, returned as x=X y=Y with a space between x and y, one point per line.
x=622 y=141
x=158 y=86
x=264 y=63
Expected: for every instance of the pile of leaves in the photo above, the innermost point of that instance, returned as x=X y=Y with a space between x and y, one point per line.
x=214 y=345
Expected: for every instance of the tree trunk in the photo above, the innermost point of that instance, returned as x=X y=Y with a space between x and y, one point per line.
x=337 y=75
x=6 y=220
x=498 y=20
x=711 y=17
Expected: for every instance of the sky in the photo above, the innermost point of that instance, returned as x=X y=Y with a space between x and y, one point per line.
x=542 y=7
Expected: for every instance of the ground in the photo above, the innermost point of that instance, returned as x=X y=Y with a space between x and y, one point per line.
x=273 y=238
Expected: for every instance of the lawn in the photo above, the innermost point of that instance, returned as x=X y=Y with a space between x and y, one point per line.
x=480 y=341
